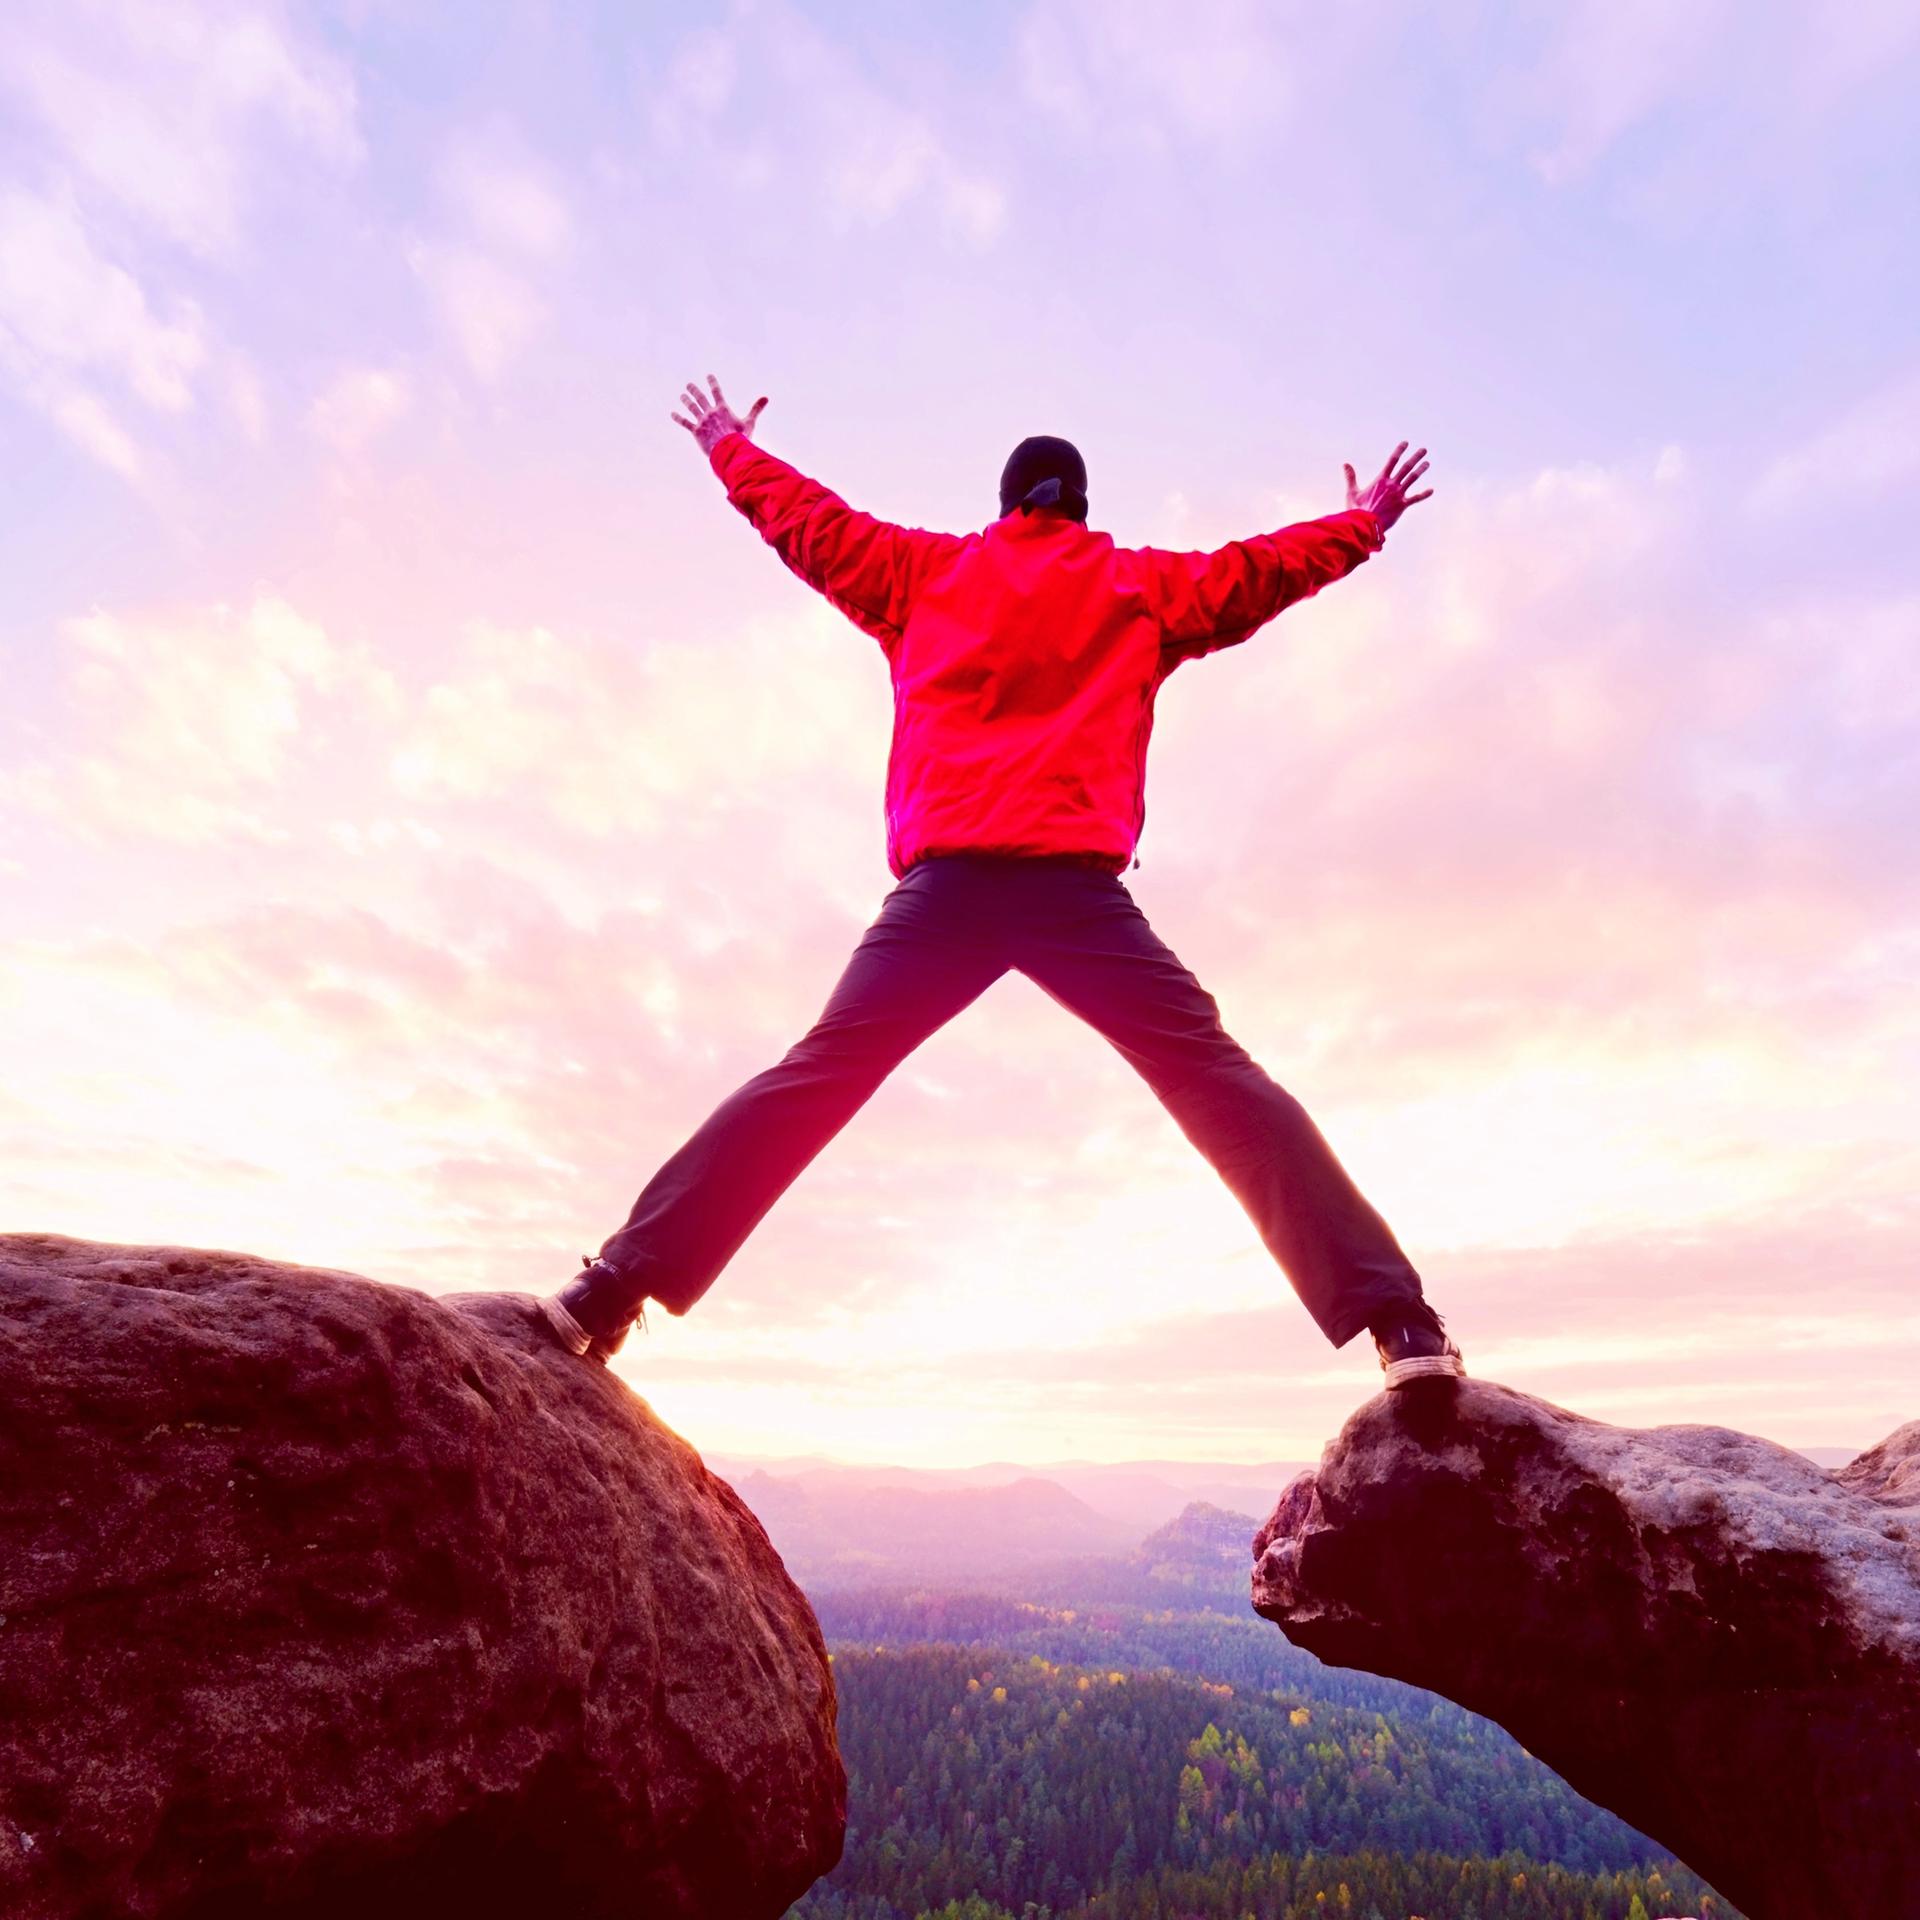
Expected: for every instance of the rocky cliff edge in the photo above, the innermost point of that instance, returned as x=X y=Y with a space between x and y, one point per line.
x=319 y=1596
x=1701 y=1630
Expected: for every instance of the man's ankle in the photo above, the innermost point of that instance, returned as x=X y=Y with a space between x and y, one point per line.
x=603 y=1298
x=1383 y=1320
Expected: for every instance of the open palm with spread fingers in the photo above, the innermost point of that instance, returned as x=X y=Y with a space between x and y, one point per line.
x=1388 y=496
x=712 y=418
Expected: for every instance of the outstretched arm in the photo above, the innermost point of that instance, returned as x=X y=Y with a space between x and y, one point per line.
x=870 y=569
x=1206 y=601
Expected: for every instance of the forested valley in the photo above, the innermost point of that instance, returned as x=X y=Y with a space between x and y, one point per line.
x=1015 y=1760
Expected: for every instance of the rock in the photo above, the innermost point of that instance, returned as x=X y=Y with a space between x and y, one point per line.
x=1705 y=1632
x=326 y=1598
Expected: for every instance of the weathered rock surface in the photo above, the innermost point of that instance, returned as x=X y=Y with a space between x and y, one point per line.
x=1705 y=1632
x=323 y=1597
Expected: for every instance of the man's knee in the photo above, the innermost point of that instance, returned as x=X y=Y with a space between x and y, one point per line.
x=851 y=1046
x=1223 y=1062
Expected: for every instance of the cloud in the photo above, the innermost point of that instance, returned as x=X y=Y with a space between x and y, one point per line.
x=1542 y=810
x=864 y=157
x=1873 y=448
x=184 y=723
x=407 y=907
x=600 y=737
x=490 y=310
x=1644 y=1329
x=504 y=197
x=358 y=405
x=699 y=79
x=69 y=318
x=1559 y=861
x=89 y=422
x=65 y=306
x=508 y=218
x=520 y=740
x=170 y=112
x=155 y=128
x=1544 y=672
x=491 y=1084
x=1140 y=72
x=1830 y=69
x=885 y=161
x=1682 y=100
x=1611 y=64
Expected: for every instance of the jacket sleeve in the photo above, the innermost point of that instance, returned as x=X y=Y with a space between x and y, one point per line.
x=870 y=569
x=1206 y=601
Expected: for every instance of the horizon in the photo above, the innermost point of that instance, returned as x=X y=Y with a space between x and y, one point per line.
x=423 y=797
x=802 y=1463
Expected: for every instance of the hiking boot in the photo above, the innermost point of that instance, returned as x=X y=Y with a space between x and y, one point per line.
x=1413 y=1344
x=588 y=1315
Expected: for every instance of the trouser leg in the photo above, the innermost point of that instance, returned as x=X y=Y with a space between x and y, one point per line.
x=914 y=968
x=1101 y=960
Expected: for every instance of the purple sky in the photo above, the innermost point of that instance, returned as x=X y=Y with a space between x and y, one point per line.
x=422 y=797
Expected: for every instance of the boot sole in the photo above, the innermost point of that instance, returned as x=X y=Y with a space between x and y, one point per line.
x=566 y=1329
x=1426 y=1366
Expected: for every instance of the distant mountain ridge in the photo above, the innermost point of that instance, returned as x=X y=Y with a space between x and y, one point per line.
x=1142 y=1494
x=835 y=1536
x=831 y=1533
x=1128 y=1531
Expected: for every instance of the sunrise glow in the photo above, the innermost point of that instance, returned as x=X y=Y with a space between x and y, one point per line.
x=422 y=797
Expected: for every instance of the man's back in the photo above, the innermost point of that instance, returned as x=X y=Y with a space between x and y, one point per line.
x=1023 y=692
x=1026 y=657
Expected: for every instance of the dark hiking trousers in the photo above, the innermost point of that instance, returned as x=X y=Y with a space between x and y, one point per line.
x=945 y=934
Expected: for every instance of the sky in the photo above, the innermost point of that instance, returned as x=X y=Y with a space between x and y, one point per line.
x=423 y=797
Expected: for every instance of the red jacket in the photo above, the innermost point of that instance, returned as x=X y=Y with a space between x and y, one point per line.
x=1026 y=658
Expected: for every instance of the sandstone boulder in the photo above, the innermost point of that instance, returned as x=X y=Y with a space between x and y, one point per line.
x=1701 y=1630
x=321 y=1597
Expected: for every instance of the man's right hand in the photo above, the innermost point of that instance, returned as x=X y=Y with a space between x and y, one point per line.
x=713 y=418
x=1387 y=497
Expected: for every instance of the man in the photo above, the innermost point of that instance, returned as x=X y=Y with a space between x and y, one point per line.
x=1025 y=660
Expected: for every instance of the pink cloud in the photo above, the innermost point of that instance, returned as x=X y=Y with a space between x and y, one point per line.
x=1558 y=879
